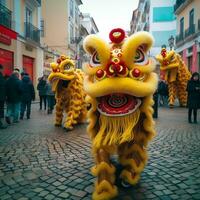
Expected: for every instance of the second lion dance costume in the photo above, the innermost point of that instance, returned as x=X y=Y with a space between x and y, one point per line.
x=67 y=83
x=120 y=83
x=176 y=75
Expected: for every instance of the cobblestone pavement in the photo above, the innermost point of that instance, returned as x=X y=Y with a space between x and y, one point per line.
x=40 y=161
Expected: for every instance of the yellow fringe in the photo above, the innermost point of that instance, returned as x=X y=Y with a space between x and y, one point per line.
x=104 y=191
x=116 y=130
x=110 y=169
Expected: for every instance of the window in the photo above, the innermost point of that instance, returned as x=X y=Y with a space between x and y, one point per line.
x=42 y=27
x=76 y=15
x=71 y=8
x=163 y=14
x=28 y=15
x=182 y=26
x=191 y=18
x=71 y=34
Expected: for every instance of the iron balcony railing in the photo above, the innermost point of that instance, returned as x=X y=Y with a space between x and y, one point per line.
x=190 y=31
x=179 y=38
x=5 y=16
x=178 y=4
x=32 y=32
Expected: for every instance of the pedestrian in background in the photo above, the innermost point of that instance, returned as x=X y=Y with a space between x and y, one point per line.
x=28 y=95
x=2 y=98
x=42 y=89
x=193 y=101
x=163 y=93
x=50 y=98
x=13 y=97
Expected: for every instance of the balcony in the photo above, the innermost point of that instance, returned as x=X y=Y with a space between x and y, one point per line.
x=31 y=32
x=180 y=5
x=5 y=16
x=179 y=38
x=190 y=31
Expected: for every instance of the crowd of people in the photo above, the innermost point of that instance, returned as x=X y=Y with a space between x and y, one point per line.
x=17 y=93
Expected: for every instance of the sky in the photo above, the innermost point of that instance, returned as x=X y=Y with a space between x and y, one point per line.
x=109 y=14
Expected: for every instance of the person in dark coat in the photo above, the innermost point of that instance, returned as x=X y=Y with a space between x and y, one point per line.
x=28 y=95
x=42 y=88
x=13 y=97
x=2 y=98
x=193 y=101
x=163 y=93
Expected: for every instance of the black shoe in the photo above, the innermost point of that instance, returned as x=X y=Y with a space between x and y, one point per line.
x=28 y=117
x=8 y=120
x=21 y=118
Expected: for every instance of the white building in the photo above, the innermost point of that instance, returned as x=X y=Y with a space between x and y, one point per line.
x=157 y=17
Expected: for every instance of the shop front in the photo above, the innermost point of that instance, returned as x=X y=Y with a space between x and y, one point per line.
x=7 y=49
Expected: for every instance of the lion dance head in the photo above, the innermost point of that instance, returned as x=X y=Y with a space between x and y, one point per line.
x=119 y=82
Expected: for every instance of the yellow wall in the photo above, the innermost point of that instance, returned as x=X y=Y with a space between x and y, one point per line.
x=55 y=28
x=195 y=4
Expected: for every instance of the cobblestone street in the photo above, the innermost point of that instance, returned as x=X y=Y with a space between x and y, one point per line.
x=40 y=161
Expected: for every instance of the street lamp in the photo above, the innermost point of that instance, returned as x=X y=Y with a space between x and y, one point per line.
x=171 y=42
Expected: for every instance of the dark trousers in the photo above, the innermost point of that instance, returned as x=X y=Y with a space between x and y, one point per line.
x=2 y=109
x=43 y=98
x=190 y=114
x=51 y=102
x=25 y=106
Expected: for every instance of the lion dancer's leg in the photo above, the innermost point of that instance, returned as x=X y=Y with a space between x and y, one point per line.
x=134 y=158
x=172 y=93
x=182 y=93
x=59 y=112
x=104 y=170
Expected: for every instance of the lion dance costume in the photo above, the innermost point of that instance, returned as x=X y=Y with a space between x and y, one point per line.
x=67 y=82
x=119 y=82
x=176 y=76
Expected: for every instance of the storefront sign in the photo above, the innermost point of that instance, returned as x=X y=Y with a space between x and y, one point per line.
x=5 y=39
x=6 y=35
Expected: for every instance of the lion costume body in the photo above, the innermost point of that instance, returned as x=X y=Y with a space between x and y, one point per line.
x=176 y=76
x=67 y=83
x=119 y=82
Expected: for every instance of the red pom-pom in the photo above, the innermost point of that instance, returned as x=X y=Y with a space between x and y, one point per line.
x=58 y=60
x=117 y=35
x=136 y=72
x=100 y=73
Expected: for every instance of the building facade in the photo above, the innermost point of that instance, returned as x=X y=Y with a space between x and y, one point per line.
x=60 y=28
x=20 y=37
x=188 y=32
x=157 y=17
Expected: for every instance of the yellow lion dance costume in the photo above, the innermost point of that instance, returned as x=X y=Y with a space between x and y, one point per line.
x=119 y=82
x=176 y=76
x=67 y=83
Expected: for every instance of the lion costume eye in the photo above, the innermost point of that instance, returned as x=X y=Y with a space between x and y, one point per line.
x=140 y=57
x=67 y=66
x=94 y=61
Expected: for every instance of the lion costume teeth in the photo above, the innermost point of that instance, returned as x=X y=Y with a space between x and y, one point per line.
x=176 y=76
x=67 y=82
x=119 y=82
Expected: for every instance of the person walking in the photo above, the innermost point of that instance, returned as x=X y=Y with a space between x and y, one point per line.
x=13 y=97
x=193 y=101
x=50 y=98
x=42 y=88
x=2 y=98
x=28 y=95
